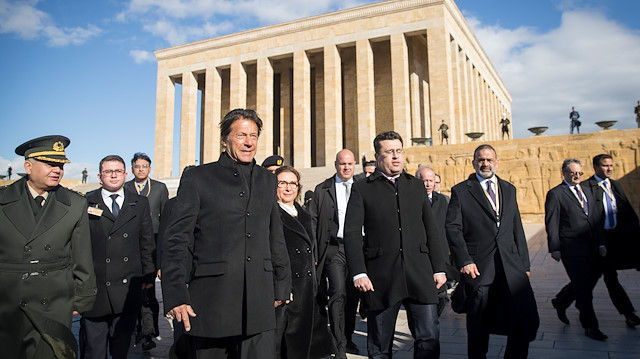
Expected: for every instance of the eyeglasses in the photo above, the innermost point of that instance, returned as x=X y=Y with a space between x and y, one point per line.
x=578 y=174
x=118 y=172
x=396 y=152
x=285 y=184
x=141 y=166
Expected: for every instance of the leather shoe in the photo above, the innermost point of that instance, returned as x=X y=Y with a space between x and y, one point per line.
x=148 y=343
x=631 y=319
x=561 y=312
x=352 y=348
x=341 y=354
x=595 y=334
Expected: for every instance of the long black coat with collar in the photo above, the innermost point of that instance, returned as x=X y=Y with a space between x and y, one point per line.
x=157 y=194
x=123 y=250
x=623 y=242
x=324 y=213
x=475 y=234
x=47 y=299
x=569 y=229
x=239 y=250
x=402 y=247
x=304 y=323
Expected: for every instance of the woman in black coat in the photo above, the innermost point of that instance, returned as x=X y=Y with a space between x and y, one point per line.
x=301 y=326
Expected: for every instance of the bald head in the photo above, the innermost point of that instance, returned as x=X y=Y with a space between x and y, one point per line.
x=345 y=164
x=428 y=176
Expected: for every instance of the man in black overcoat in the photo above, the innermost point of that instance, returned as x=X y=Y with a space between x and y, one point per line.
x=401 y=259
x=240 y=267
x=489 y=248
x=46 y=271
x=621 y=230
x=575 y=234
x=328 y=210
x=123 y=246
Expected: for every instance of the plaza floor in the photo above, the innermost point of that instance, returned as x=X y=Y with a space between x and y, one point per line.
x=554 y=339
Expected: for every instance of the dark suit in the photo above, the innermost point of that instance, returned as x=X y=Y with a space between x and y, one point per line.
x=400 y=252
x=620 y=242
x=332 y=266
x=576 y=236
x=47 y=292
x=301 y=326
x=439 y=205
x=500 y=299
x=123 y=250
x=240 y=261
x=157 y=194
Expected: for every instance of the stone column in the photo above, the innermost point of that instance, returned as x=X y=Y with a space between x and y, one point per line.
x=163 y=150
x=456 y=122
x=332 y=102
x=188 y=120
x=301 y=110
x=264 y=107
x=400 y=87
x=426 y=100
x=438 y=54
x=365 y=97
x=238 y=85
x=286 y=132
x=212 y=115
x=416 y=102
x=466 y=94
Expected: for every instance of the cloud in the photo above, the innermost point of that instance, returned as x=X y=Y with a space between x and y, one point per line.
x=165 y=18
x=141 y=56
x=589 y=61
x=27 y=22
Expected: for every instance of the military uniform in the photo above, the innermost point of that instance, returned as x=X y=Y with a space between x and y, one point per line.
x=46 y=268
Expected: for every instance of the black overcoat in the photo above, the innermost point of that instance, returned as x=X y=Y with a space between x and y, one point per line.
x=304 y=321
x=401 y=248
x=157 y=194
x=324 y=214
x=475 y=234
x=123 y=251
x=59 y=246
x=239 y=250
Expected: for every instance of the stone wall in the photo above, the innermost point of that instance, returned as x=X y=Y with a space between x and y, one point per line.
x=534 y=164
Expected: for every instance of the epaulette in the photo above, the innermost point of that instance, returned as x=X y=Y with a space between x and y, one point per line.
x=73 y=191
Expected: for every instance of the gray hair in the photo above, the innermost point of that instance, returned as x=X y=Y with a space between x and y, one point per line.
x=567 y=162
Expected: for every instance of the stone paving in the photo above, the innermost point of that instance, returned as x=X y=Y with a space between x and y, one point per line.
x=555 y=340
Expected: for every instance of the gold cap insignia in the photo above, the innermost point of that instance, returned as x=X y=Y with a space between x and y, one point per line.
x=58 y=146
x=279 y=162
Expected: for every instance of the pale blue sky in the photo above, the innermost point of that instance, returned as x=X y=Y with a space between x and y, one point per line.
x=85 y=69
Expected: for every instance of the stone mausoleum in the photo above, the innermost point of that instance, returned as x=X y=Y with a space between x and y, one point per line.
x=332 y=81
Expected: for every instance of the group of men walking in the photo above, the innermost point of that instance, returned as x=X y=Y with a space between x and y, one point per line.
x=386 y=239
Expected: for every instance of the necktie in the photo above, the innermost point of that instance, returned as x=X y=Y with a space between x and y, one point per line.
x=583 y=200
x=430 y=199
x=491 y=193
x=347 y=189
x=39 y=200
x=115 y=208
x=611 y=217
x=140 y=187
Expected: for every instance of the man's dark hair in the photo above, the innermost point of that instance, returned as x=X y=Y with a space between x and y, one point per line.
x=385 y=136
x=567 y=162
x=140 y=156
x=112 y=158
x=597 y=159
x=233 y=116
x=484 y=147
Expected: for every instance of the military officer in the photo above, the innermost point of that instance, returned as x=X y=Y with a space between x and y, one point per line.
x=46 y=267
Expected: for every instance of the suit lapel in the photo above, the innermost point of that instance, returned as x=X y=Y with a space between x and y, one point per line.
x=54 y=211
x=294 y=225
x=573 y=198
x=127 y=212
x=16 y=207
x=478 y=194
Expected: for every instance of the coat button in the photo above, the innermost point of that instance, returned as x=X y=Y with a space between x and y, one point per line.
x=23 y=303
x=47 y=247
x=108 y=284
x=125 y=281
x=25 y=276
x=248 y=214
x=27 y=248
x=235 y=174
x=297 y=251
x=297 y=275
x=248 y=259
x=44 y=273
x=44 y=301
x=108 y=237
x=308 y=250
x=241 y=194
x=125 y=235
x=248 y=235
x=108 y=260
x=309 y=273
x=400 y=249
x=126 y=259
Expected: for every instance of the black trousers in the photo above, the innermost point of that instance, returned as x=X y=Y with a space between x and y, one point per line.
x=261 y=345
x=583 y=273
x=342 y=323
x=617 y=293
x=110 y=332
x=423 y=324
x=491 y=311
x=148 y=314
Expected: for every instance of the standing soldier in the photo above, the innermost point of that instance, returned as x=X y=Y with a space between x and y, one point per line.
x=46 y=267
x=444 y=136
x=636 y=110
